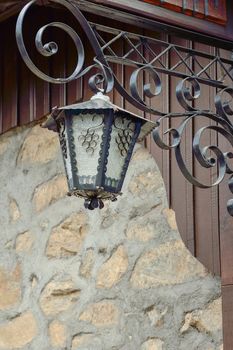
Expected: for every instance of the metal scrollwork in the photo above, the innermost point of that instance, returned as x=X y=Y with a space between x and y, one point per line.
x=186 y=95
x=201 y=153
x=223 y=107
x=150 y=58
x=50 y=48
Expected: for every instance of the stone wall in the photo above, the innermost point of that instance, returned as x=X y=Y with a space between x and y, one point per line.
x=116 y=279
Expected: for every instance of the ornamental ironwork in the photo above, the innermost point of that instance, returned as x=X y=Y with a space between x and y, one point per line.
x=148 y=55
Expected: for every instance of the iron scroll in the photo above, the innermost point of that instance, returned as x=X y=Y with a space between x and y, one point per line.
x=149 y=56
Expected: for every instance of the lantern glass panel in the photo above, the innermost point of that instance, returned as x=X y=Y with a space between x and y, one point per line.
x=87 y=135
x=123 y=130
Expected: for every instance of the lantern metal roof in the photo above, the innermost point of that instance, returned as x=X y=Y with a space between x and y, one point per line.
x=98 y=102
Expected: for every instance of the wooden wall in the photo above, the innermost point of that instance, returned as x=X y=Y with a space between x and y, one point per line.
x=202 y=218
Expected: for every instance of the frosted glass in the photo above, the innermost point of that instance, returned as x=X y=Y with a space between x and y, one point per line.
x=121 y=138
x=87 y=133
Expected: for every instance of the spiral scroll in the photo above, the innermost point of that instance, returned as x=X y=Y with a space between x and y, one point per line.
x=188 y=89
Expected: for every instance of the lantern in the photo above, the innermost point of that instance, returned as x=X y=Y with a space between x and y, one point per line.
x=97 y=139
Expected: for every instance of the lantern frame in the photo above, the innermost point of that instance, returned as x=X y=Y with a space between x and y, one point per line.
x=98 y=186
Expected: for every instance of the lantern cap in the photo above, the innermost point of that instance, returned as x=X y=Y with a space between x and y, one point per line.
x=100 y=102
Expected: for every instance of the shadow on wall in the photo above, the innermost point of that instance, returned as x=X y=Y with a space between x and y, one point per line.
x=116 y=279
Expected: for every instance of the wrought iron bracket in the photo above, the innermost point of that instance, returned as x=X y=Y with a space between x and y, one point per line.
x=151 y=56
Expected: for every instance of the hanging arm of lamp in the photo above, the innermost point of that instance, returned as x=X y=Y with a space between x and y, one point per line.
x=141 y=55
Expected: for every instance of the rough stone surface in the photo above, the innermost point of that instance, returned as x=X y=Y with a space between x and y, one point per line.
x=102 y=314
x=40 y=146
x=58 y=296
x=156 y=316
x=153 y=344
x=57 y=333
x=14 y=210
x=207 y=320
x=3 y=146
x=81 y=339
x=87 y=264
x=66 y=239
x=171 y=218
x=18 y=332
x=168 y=264
x=118 y=278
x=50 y=192
x=112 y=271
x=144 y=182
x=141 y=231
x=24 y=242
x=10 y=291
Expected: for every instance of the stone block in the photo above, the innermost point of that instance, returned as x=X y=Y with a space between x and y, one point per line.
x=141 y=231
x=152 y=344
x=24 y=242
x=146 y=182
x=208 y=320
x=87 y=264
x=58 y=296
x=40 y=146
x=101 y=314
x=4 y=144
x=14 y=210
x=156 y=316
x=10 y=290
x=67 y=238
x=57 y=334
x=80 y=340
x=171 y=218
x=112 y=271
x=18 y=332
x=167 y=264
x=50 y=192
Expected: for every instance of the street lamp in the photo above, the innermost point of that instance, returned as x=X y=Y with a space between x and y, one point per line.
x=97 y=139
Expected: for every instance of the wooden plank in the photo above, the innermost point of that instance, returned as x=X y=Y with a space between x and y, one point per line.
x=154 y=2
x=149 y=14
x=206 y=200
x=58 y=62
x=10 y=88
x=41 y=88
x=128 y=72
x=226 y=232
x=188 y=7
x=156 y=103
x=26 y=84
x=179 y=186
x=226 y=221
x=174 y=5
x=74 y=88
x=161 y=103
x=215 y=11
x=199 y=8
x=227 y=307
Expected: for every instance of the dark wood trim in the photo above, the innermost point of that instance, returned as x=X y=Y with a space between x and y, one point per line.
x=153 y=18
x=13 y=10
x=196 y=28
